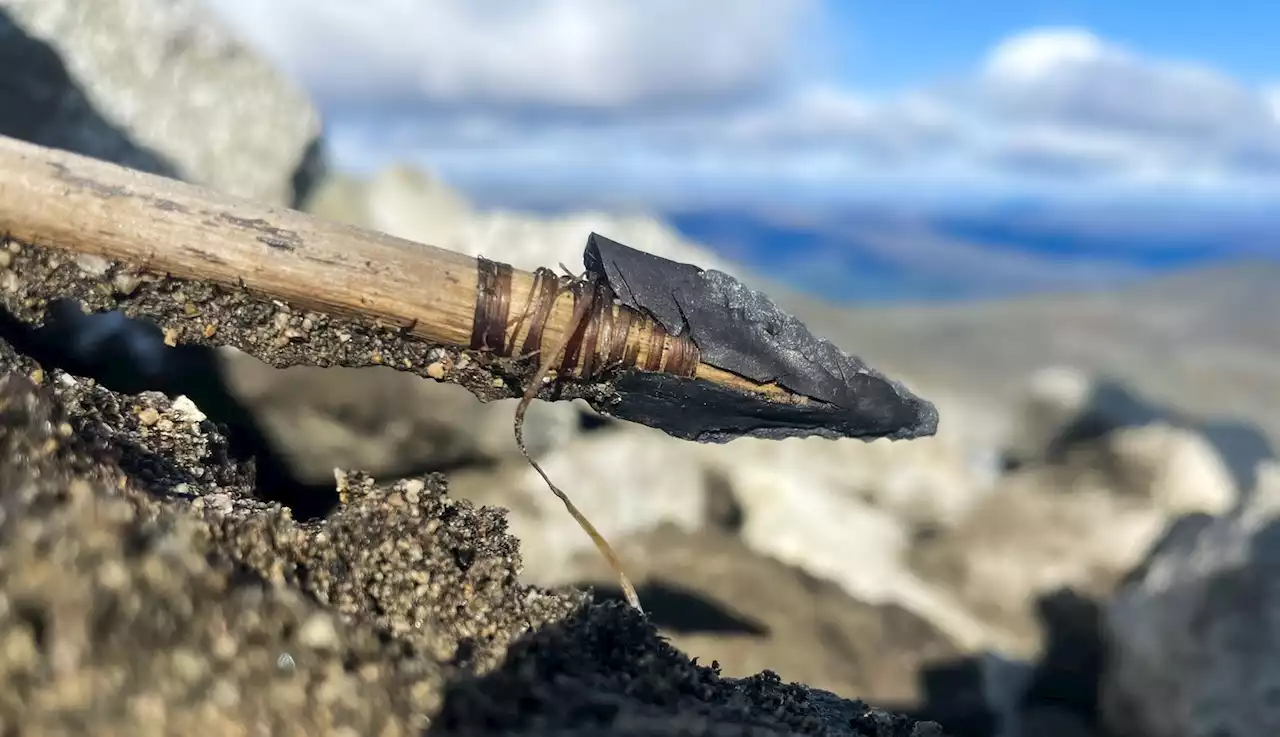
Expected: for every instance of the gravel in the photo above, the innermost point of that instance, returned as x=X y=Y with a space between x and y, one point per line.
x=150 y=589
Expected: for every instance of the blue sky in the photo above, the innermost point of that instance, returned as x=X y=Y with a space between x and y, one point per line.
x=735 y=103
x=895 y=44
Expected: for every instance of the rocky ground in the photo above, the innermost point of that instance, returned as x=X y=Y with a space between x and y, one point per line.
x=149 y=590
x=1086 y=548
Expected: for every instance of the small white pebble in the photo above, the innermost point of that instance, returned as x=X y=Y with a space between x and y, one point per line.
x=318 y=631
x=187 y=411
x=225 y=694
x=413 y=490
x=113 y=576
x=125 y=284
x=92 y=264
x=220 y=503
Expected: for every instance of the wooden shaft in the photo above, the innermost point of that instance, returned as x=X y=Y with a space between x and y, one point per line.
x=65 y=200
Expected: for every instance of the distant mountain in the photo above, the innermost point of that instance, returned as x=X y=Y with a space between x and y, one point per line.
x=877 y=255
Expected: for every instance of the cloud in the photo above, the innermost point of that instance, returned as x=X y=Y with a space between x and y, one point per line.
x=1072 y=77
x=1151 y=116
x=594 y=54
x=660 y=103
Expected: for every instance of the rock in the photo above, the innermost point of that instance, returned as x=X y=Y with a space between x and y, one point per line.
x=1100 y=433
x=1194 y=635
x=925 y=485
x=626 y=482
x=1175 y=470
x=989 y=694
x=1063 y=405
x=1098 y=478
x=1064 y=408
x=160 y=86
x=1081 y=522
x=712 y=595
x=111 y=616
x=790 y=514
x=1060 y=696
x=801 y=502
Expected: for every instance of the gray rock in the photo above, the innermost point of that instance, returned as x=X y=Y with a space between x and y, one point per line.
x=1194 y=636
x=1097 y=483
x=712 y=595
x=160 y=86
x=794 y=501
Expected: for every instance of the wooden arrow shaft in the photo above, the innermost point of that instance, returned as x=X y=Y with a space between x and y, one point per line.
x=55 y=198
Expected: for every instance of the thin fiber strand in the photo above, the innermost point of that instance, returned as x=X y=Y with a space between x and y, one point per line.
x=580 y=310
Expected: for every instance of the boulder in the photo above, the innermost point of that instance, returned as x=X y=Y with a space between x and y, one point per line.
x=1194 y=636
x=812 y=504
x=156 y=85
x=1098 y=432
x=1063 y=408
x=1063 y=405
x=714 y=596
x=1096 y=484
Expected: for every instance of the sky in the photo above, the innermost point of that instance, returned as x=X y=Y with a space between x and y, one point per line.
x=733 y=103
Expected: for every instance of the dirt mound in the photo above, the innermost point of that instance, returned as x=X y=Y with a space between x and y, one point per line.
x=148 y=590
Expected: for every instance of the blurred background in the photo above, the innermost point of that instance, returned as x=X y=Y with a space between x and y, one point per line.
x=1056 y=219
x=859 y=151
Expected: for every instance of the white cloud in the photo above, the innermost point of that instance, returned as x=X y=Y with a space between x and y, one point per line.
x=1151 y=118
x=667 y=102
x=1072 y=76
x=589 y=53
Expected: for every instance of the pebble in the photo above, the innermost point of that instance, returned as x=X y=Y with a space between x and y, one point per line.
x=148 y=416
x=318 y=632
x=187 y=411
